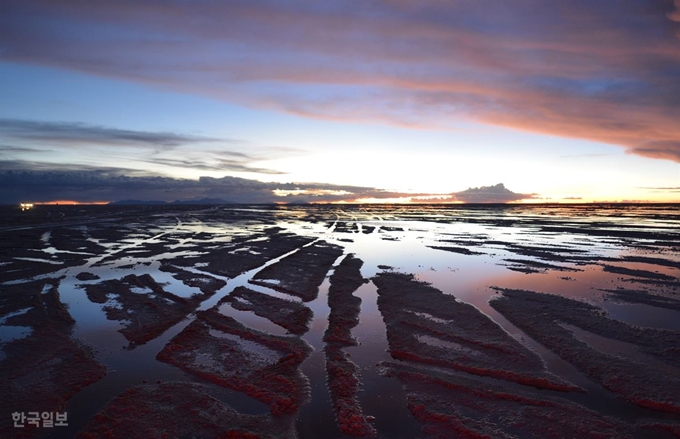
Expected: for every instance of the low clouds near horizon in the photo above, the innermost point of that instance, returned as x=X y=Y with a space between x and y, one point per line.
x=490 y=194
x=24 y=177
x=112 y=184
x=605 y=71
x=496 y=194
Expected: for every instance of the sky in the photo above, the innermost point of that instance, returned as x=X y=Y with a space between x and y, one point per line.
x=343 y=101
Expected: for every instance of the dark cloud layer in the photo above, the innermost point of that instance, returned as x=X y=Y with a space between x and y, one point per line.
x=112 y=184
x=485 y=194
x=599 y=70
x=490 y=194
x=80 y=183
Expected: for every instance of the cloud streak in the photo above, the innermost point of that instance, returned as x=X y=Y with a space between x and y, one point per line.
x=173 y=150
x=604 y=71
x=662 y=189
x=220 y=165
x=73 y=134
x=7 y=149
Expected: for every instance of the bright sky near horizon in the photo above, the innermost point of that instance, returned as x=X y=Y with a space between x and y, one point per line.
x=344 y=100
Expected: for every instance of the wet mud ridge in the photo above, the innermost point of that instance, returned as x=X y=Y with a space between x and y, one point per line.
x=240 y=254
x=548 y=319
x=146 y=314
x=293 y=316
x=22 y=254
x=263 y=366
x=451 y=405
x=43 y=370
x=426 y=326
x=301 y=273
x=434 y=350
x=208 y=285
x=344 y=379
x=644 y=297
x=186 y=410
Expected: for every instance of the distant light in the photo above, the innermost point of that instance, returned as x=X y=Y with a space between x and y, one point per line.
x=68 y=203
x=26 y=206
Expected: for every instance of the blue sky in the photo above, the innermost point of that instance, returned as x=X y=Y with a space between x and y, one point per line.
x=559 y=103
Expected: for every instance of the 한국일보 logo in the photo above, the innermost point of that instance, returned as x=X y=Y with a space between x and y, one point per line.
x=40 y=419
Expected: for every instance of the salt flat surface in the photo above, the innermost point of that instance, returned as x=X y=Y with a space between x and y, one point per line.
x=622 y=261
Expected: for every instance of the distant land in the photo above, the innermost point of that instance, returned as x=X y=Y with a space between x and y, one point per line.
x=197 y=201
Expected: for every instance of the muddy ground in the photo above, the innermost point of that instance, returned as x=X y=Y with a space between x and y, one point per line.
x=352 y=321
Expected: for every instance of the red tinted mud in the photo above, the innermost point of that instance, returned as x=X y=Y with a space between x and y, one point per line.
x=145 y=314
x=344 y=379
x=207 y=284
x=543 y=316
x=263 y=366
x=292 y=316
x=176 y=410
x=344 y=306
x=453 y=406
x=245 y=254
x=426 y=326
x=465 y=377
x=301 y=273
x=43 y=370
x=344 y=384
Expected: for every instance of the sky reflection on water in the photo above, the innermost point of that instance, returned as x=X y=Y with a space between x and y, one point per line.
x=575 y=243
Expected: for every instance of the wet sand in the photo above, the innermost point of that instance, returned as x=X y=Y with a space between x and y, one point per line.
x=342 y=321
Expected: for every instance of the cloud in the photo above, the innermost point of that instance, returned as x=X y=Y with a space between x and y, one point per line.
x=603 y=71
x=662 y=189
x=490 y=194
x=39 y=183
x=663 y=149
x=26 y=167
x=481 y=195
x=7 y=149
x=70 y=134
x=675 y=15
x=84 y=184
x=221 y=165
x=173 y=150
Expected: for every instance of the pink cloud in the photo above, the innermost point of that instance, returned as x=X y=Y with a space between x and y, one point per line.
x=578 y=69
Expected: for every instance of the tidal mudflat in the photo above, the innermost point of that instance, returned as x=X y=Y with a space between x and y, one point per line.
x=341 y=321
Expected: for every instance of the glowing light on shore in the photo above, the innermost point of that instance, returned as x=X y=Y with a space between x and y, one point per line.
x=69 y=202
